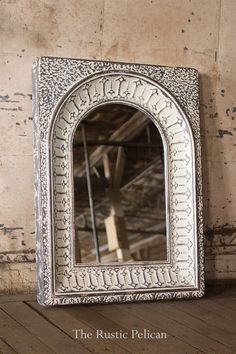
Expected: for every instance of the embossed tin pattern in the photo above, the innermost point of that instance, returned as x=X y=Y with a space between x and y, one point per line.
x=65 y=90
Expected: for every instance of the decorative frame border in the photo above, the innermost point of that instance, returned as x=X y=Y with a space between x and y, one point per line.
x=64 y=91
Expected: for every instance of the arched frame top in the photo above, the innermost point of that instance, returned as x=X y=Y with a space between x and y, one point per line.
x=182 y=274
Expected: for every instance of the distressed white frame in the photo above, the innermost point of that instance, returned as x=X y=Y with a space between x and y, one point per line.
x=65 y=91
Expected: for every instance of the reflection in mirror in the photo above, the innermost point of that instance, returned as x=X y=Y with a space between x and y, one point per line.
x=119 y=187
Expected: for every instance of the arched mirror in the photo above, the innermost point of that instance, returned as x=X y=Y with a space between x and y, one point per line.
x=119 y=187
x=117 y=182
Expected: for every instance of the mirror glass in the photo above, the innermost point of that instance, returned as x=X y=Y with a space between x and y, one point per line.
x=119 y=187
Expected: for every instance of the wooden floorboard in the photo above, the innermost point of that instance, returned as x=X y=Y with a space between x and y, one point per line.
x=97 y=321
x=219 y=311
x=228 y=305
x=17 y=337
x=214 y=328
x=62 y=318
x=5 y=348
x=140 y=318
x=170 y=322
x=208 y=315
x=38 y=329
x=193 y=326
x=213 y=337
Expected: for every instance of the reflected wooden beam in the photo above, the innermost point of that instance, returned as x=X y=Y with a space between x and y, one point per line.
x=117 y=143
x=134 y=232
x=119 y=168
x=115 y=223
x=127 y=131
x=136 y=246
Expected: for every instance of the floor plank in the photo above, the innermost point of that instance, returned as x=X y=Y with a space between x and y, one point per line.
x=218 y=310
x=5 y=348
x=208 y=314
x=98 y=320
x=206 y=323
x=137 y=319
x=187 y=328
x=18 y=338
x=222 y=339
x=193 y=326
x=52 y=339
x=179 y=331
x=228 y=305
x=64 y=320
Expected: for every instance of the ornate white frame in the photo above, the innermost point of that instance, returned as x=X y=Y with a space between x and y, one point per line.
x=64 y=92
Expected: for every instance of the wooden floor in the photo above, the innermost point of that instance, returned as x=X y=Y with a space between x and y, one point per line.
x=200 y=326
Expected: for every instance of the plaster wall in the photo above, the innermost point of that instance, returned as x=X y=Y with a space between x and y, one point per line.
x=195 y=33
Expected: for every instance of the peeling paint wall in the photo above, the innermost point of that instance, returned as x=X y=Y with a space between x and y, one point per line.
x=194 y=33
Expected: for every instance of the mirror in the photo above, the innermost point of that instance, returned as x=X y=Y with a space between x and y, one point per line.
x=113 y=222
x=119 y=187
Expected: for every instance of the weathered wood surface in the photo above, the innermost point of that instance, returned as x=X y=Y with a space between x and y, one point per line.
x=206 y=326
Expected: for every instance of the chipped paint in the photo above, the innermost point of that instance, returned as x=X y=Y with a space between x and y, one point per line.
x=27 y=255
x=223 y=132
x=9 y=230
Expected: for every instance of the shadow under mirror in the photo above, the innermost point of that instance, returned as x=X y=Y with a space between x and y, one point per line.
x=119 y=187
